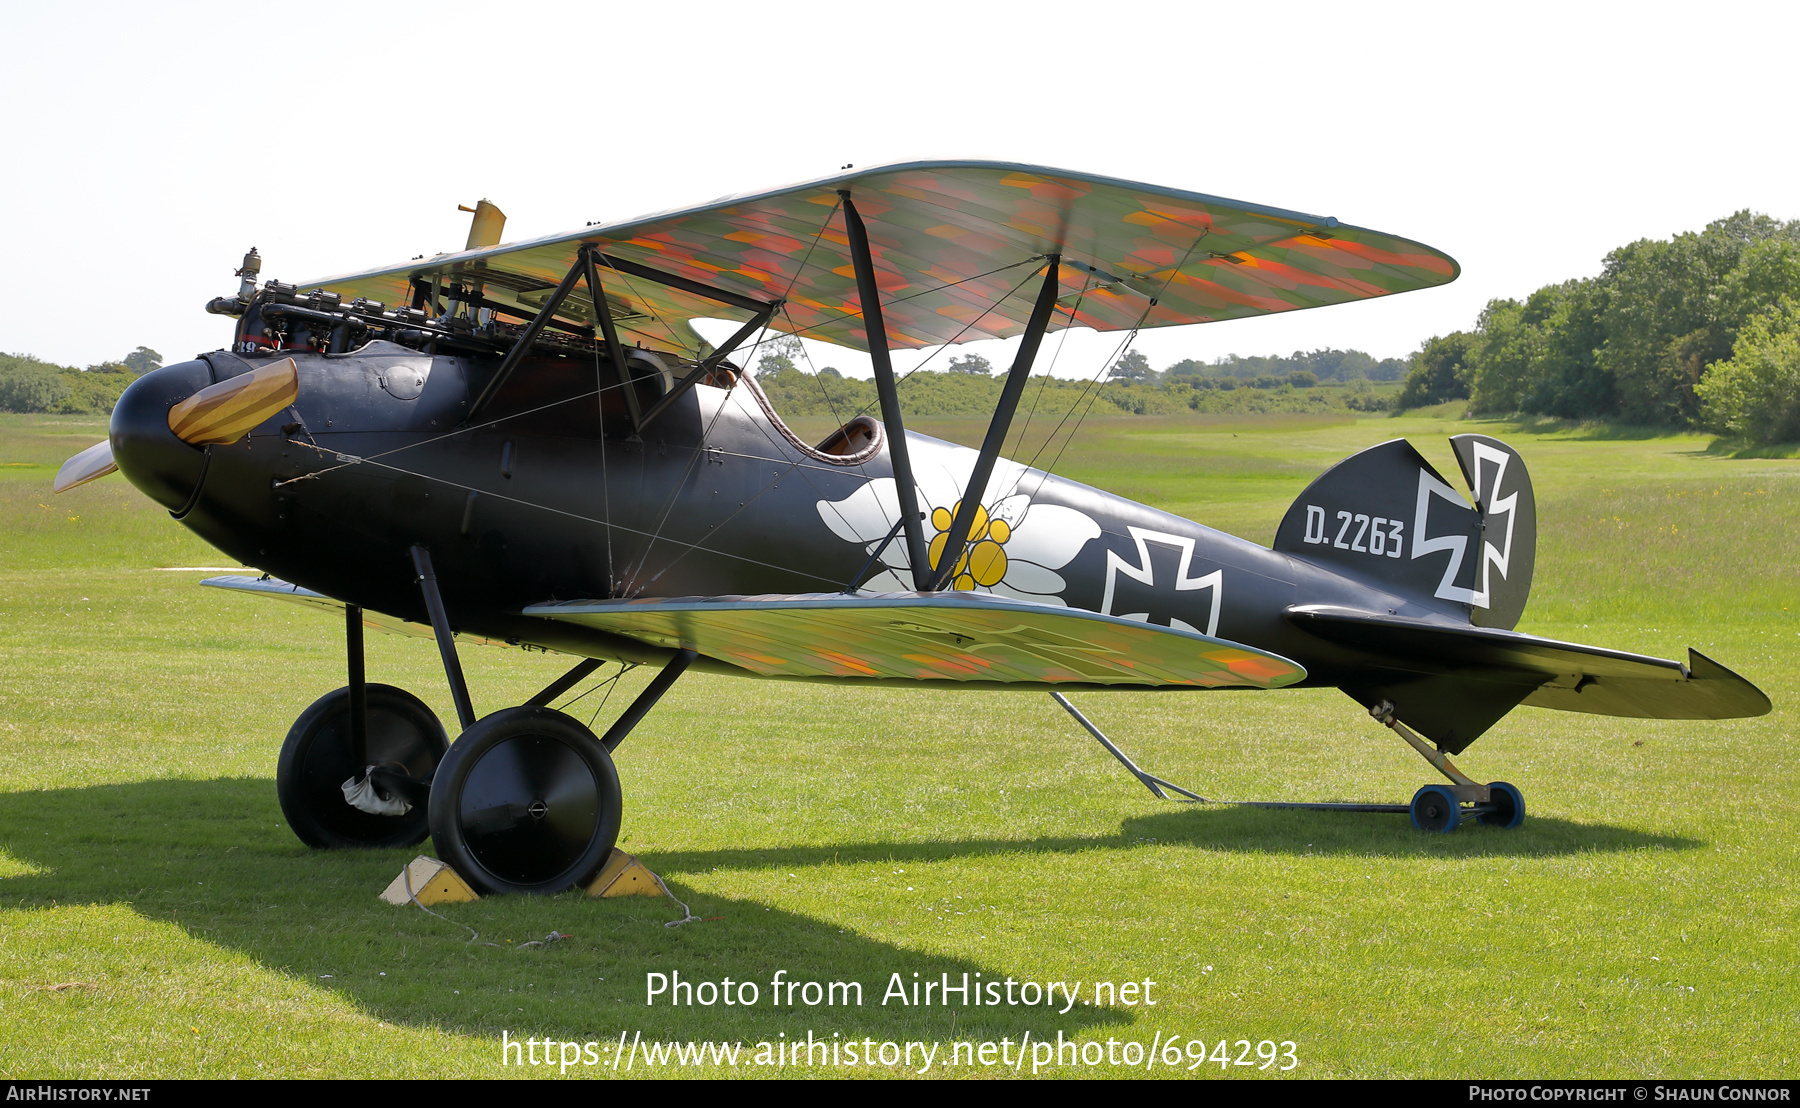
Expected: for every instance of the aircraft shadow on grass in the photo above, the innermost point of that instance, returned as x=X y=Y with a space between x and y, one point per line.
x=1240 y=829
x=215 y=859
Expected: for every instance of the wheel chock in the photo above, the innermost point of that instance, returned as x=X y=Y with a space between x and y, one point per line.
x=624 y=875
x=432 y=882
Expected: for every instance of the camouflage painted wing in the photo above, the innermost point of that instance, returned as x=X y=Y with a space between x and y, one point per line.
x=950 y=241
x=930 y=637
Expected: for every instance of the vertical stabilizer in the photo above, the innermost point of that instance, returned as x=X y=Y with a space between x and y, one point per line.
x=1386 y=514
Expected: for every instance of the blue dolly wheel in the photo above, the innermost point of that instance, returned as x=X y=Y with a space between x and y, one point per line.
x=1506 y=806
x=1435 y=808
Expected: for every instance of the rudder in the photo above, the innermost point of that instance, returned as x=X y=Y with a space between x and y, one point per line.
x=1508 y=507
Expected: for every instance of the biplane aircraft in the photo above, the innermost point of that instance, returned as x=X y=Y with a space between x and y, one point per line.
x=529 y=444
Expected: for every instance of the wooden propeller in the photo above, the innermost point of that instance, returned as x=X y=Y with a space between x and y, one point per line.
x=226 y=412
x=90 y=465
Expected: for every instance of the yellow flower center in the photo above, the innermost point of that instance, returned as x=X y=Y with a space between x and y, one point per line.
x=983 y=560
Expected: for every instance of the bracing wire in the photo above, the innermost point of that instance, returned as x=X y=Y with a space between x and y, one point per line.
x=1124 y=345
x=572 y=515
x=674 y=491
x=1074 y=313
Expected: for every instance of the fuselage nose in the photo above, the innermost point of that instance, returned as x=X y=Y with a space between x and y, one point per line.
x=163 y=467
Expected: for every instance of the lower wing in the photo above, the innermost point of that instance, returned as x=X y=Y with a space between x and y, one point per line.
x=971 y=638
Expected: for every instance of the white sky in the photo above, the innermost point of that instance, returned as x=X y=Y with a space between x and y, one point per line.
x=147 y=146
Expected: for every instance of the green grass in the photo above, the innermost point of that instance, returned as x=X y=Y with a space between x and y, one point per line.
x=1642 y=922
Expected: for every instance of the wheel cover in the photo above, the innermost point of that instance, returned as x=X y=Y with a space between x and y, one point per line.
x=530 y=808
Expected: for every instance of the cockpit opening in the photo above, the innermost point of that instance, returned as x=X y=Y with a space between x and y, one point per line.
x=854 y=437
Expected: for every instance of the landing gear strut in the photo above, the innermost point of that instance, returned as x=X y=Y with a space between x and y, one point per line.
x=1440 y=808
x=377 y=735
x=526 y=800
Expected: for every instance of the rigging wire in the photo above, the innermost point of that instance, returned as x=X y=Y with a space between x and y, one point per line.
x=935 y=288
x=1062 y=340
x=1117 y=351
x=792 y=465
x=861 y=467
x=693 y=462
x=565 y=512
x=352 y=460
x=953 y=339
x=799 y=464
x=455 y=431
x=680 y=482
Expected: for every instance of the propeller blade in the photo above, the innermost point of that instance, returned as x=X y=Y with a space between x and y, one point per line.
x=226 y=412
x=90 y=465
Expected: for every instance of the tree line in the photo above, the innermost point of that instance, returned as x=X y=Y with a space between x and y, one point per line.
x=28 y=384
x=969 y=385
x=1700 y=330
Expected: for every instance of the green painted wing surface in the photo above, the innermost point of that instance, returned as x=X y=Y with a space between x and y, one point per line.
x=950 y=241
x=954 y=637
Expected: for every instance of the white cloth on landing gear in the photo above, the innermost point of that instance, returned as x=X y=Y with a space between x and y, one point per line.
x=362 y=795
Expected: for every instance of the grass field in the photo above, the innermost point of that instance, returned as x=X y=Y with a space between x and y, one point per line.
x=157 y=918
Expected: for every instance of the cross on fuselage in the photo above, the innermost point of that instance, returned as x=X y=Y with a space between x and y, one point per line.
x=1169 y=597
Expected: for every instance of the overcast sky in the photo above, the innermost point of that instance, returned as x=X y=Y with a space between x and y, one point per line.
x=147 y=146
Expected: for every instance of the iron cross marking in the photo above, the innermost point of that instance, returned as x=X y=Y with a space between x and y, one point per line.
x=1160 y=588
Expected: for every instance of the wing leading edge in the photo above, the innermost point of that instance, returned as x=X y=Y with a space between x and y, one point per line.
x=294 y=594
x=931 y=637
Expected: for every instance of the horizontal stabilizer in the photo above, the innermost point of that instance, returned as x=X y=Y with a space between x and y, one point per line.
x=294 y=594
x=1570 y=677
x=955 y=637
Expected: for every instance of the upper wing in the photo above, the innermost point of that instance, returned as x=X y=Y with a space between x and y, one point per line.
x=950 y=240
x=955 y=637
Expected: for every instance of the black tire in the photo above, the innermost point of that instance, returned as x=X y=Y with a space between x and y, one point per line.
x=526 y=801
x=315 y=761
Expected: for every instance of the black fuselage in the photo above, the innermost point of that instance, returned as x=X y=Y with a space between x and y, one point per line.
x=548 y=495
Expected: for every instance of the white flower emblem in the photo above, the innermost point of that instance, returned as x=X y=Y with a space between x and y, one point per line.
x=1014 y=549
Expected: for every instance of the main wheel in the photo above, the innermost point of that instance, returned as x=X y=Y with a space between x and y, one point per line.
x=1435 y=808
x=1506 y=806
x=526 y=801
x=316 y=761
